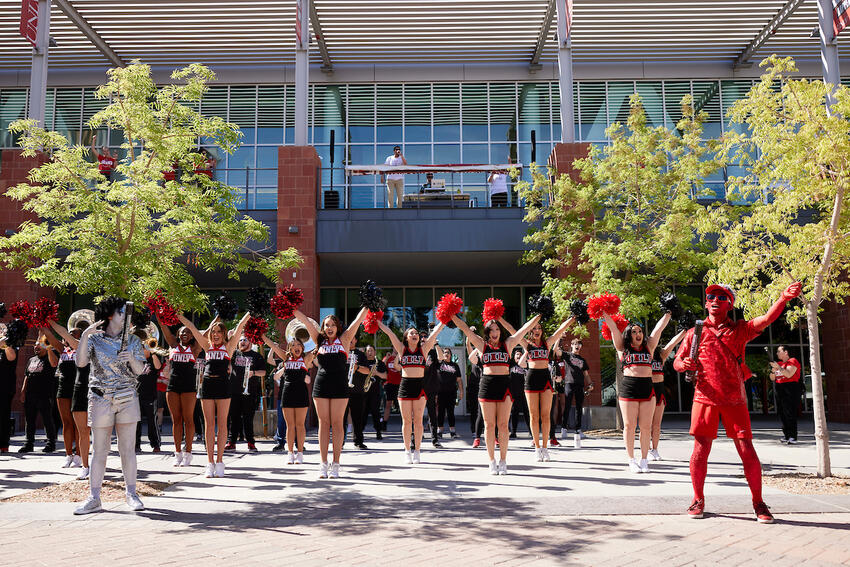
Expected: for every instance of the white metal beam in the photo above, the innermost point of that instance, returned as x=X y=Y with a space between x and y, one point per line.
x=302 y=69
x=328 y=65
x=545 y=28
x=767 y=32
x=565 y=73
x=38 y=70
x=69 y=10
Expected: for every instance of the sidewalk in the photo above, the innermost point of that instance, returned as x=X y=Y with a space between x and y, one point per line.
x=583 y=508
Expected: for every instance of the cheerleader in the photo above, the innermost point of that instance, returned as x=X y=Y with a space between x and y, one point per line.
x=181 y=392
x=294 y=380
x=66 y=373
x=410 y=356
x=636 y=395
x=494 y=392
x=330 y=388
x=658 y=388
x=215 y=387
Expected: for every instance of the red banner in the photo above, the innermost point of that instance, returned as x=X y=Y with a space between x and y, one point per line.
x=840 y=15
x=29 y=20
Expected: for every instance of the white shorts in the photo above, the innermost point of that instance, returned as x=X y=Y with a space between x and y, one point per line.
x=106 y=412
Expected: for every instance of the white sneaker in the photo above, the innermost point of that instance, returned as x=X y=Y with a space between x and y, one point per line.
x=77 y=462
x=334 y=472
x=545 y=454
x=187 y=458
x=84 y=473
x=134 y=502
x=503 y=468
x=69 y=460
x=291 y=459
x=539 y=454
x=633 y=466
x=494 y=468
x=653 y=455
x=323 y=470
x=563 y=433
x=415 y=457
x=299 y=458
x=644 y=466
x=178 y=459
x=219 y=470
x=90 y=505
x=210 y=471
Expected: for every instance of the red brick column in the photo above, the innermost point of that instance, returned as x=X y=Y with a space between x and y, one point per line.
x=561 y=160
x=835 y=338
x=14 y=169
x=298 y=168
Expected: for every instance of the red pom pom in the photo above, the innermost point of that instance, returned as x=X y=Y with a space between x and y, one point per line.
x=370 y=323
x=44 y=311
x=286 y=301
x=448 y=306
x=604 y=303
x=621 y=322
x=255 y=328
x=164 y=311
x=493 y=309
x=22 y=310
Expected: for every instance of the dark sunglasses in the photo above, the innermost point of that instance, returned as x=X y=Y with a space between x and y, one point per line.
x=711 y=296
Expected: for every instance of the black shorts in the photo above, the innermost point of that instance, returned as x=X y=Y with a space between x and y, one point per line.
x=391 y=390
x=294 y=395
x=182 y=384
x=636 y=389
x=411 y=388
x=330 y=386
x=215 y=388
x=495 y=388
x=658 y=388
x=80 y=397
x=65 y=387
x=538 y=380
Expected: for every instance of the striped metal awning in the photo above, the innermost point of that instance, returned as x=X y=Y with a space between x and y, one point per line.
x=375 y=32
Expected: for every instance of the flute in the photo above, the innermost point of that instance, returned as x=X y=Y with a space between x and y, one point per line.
x=690 y=375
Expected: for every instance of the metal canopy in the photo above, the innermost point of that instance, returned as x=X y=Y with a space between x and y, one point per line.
x=378 y=32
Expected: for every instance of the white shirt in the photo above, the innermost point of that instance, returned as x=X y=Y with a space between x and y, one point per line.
x=499 y=183
x=392 y=160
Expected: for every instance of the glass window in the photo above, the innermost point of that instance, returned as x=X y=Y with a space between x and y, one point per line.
x=358 y=155
x=240 y=159
x=618 y=100
x=361 y=113
x=730 y=92
x=332 y=302
x=394 y=313
x=417 y=153
x=556 y=111
x=270 y=109
x=674 y=91
x=474 y=97
x=289 y=115
x=594 y=111
x=535 y=111
x=243 y=111
x=68 y=114
x=447 y=118
x=512 y=298
x=503 y=112
x=476 y=153
x=417 y=113
x=389 y=117
x=329 y=115
x=446 y=153
x=707 y=99
x=503 y=153
x=651 y=96
x=13 y=104
x=473 y=303
x=419 y=307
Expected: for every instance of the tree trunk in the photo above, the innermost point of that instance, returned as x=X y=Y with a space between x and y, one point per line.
x=821 y=430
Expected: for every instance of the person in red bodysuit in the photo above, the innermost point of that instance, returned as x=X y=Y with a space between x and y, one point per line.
x=719 y=389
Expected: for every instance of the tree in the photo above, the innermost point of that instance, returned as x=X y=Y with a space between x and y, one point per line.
x=796 y=152
x=139 y=232
x=627 y=224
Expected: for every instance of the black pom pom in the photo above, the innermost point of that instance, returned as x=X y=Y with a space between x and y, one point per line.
x=372 y=297
x=578 y=309
x=543 y=304
x=3 y=310
x=686 y=321
x=669 y=302
x=141 y=317
x=16 y=333
x=257 y=301
x=225 y=306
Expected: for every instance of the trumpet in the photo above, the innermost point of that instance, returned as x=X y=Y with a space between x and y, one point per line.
x=245 y=377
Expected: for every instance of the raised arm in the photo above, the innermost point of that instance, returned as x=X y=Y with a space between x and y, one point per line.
x=312 y=329
x=668 y=348
x=432 y=338
x=555 y=339
x=237 y=333
x=517 y=336
x=83 y=346
x=51 y=339
x=616 y=335
x=523 y=360
x=274 y=348
x=215 y=320
x=655 y=336
x=63 y=332
x=394 y=340
x=476 y=341
x=474 y=356
x=52 y=358
x=168 y=336
x=762 y=322
x=199 y=337
x=351 y=331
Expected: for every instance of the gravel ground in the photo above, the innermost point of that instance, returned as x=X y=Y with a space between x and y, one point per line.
x=78 y=490
x=805 y=483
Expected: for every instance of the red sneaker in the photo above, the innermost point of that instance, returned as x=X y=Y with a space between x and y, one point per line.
x=476 y=443
x=695 y=510
x=554 y=442
x=252 y=448
x=763 y=514
x=230 y=447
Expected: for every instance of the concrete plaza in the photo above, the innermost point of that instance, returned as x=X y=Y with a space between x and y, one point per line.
x=583 y=508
